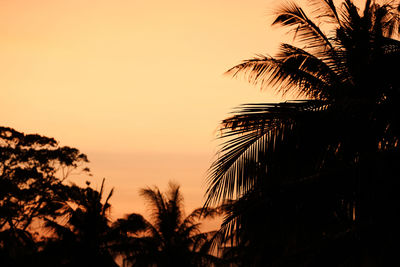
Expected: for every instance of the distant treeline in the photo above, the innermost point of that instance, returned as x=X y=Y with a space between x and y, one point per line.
x=47 y=221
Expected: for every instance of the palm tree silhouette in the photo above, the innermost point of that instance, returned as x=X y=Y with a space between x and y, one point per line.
x=323 y=165
x=170 y=239
x=87 y=237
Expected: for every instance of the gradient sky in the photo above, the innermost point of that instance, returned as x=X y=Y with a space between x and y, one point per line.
x=138 y=86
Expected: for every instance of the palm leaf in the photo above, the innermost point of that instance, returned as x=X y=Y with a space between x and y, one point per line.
x=294 y=72
x=156 y=201
x=326 y=9
x=253 y=135
x=291 y=15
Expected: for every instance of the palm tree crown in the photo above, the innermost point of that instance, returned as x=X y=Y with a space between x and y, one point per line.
x=345 y=74
x=87 y=236
x=302 y=175
x=170 y=239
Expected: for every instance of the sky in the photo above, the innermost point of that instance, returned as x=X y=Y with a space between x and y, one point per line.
x=136 y=85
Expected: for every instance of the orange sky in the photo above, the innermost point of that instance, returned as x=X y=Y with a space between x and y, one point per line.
x=138 y=86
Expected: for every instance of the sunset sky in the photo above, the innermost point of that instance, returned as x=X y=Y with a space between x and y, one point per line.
x=138 y=86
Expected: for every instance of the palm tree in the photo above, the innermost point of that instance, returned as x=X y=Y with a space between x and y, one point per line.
x=170 y=239
x=87 y=236
x=322 y=165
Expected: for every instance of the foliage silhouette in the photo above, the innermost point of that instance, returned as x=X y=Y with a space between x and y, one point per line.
x=32 y=171
x=46 y=222
x=313 y=180
x=87 y=237
x=170 y=239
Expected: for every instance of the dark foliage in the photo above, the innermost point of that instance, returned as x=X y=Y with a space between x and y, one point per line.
x=45 y=221
x=313 y=182
x=170 y=239
x=86 y=237
x=32 y=171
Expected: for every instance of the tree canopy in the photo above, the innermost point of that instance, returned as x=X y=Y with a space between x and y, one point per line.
x=32 y=171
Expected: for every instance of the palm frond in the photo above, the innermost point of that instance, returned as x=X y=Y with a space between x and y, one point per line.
x=156 y=201
x=253 y=134
x=326 y=9
x=173 y=193
x=190 y=219
x=387 y=17
x=189 y=231
x=350 y=15
x=293 y=16
x=174 y=201
x=255 y=116
x=291 y=76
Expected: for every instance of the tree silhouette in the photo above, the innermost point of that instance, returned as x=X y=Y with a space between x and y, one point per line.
x=86 y=238
x=170 y=239
x=32 y=171
x=314 y=179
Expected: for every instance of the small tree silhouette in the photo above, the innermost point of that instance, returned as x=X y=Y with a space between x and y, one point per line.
x=169 y=238
x=86 y=238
